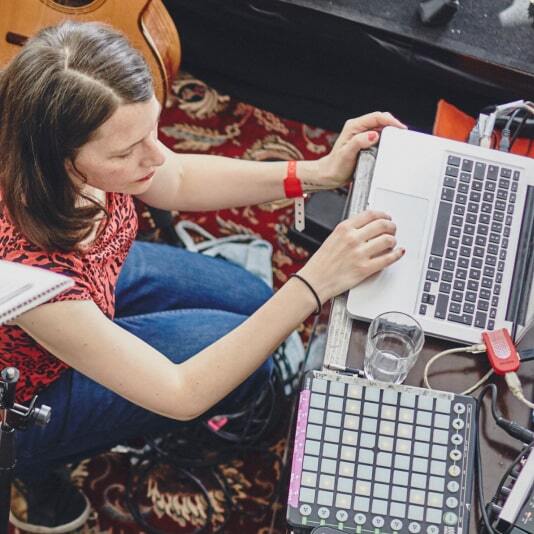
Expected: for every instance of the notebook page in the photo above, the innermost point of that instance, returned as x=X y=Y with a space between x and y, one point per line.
x=23 y=287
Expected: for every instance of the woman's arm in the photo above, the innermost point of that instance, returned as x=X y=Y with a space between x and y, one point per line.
x=189 y=182
x=79 y=334
x=194 y=182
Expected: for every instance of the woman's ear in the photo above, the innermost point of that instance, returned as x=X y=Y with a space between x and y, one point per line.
x=74 y=173
x=69 y=167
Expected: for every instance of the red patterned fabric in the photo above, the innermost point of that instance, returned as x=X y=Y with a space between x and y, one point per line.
x=95 y=276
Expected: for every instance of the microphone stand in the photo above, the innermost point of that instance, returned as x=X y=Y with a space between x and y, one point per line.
x=13 y=417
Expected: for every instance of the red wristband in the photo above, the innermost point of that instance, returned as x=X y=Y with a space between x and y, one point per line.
x=292 y=185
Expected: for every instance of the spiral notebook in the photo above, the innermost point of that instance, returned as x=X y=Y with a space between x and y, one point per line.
x=23 y=287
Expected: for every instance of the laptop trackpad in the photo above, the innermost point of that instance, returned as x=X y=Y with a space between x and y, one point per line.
x=409 y=213
x=395 y=287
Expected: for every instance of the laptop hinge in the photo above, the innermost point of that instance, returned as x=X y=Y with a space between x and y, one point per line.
x=524 y=266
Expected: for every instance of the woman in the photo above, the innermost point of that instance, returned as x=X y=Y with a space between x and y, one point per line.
x=174 y=334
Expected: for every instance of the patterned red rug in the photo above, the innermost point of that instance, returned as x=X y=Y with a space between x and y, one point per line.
x=200 y=120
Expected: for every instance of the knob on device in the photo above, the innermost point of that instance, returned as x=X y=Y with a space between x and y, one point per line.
x=437 y=12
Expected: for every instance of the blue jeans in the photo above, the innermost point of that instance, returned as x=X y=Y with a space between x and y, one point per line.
x=179 y=302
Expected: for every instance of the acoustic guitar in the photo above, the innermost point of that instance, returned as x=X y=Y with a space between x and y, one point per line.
x=145 y=22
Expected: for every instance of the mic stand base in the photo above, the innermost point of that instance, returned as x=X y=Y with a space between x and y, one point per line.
x=7 y=466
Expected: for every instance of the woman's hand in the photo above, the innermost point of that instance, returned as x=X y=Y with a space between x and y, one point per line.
x=357 y=248
x=335 y=169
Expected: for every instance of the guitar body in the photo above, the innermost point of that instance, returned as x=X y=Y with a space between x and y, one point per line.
x=146 y=23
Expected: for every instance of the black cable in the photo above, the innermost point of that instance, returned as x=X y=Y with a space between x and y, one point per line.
x=192 y=445
x=192 y=448
x=227 y=495
x=227 y=490
x=525 y=124
x=519 y=128
x=133 y=504
x=478 y=462
x=505 y=143
x=514 y=430
x=508 y=472
x=246 y=436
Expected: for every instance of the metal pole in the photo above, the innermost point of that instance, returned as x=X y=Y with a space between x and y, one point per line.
x=7 y=465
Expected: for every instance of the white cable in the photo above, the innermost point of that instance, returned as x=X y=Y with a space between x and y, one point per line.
x=514 y=384
x=503 y=109
x=473 y=349
x=432 y=360
x=485 y=139
x=508 y=106
x=474 y=387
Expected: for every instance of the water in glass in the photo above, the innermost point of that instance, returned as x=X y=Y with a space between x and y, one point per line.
x=389 y=357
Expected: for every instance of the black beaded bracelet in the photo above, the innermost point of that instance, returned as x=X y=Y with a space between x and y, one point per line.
x=319 y=305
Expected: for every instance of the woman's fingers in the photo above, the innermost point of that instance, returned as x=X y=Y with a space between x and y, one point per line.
x=365 y=217
x=358 y=247
x=379 y=245
x=376 y=228
x=385 y=260
x=360 y=141
x=371 y=121
x=377 y=119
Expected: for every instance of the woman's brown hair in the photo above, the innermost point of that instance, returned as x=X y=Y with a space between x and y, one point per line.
x=65 y=83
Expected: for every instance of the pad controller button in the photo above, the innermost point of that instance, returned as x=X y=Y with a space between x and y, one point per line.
x=454 y=470
x=360 y=519
x=459 y=408
x=342 y=516
x=323 y=512
x=305 y=510
x=378 y=522
x=453 y=486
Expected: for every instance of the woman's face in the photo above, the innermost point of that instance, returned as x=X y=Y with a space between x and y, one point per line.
x=124 y=152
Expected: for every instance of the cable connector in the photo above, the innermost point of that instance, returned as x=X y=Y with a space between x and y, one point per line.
x=217 y=422
x=504 y=144
x=515 y=430
x=478 y=129
x=487 y=131
x=516 y=389
x=475 y=349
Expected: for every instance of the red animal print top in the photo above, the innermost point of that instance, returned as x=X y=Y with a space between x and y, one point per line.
x=95 y=273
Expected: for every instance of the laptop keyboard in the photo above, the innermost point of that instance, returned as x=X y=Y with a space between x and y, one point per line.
x=467 y=258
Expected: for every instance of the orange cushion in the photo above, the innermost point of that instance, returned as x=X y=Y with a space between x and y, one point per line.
x=452 y=123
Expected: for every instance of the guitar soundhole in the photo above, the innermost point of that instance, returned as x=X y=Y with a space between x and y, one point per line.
x=73 y=3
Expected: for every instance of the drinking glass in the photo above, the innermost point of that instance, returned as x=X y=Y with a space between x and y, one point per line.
x=394 y=341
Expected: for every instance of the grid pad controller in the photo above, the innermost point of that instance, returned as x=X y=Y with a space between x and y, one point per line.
x=381 y=458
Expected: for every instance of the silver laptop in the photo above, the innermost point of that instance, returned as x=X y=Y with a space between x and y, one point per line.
x=465 y=216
